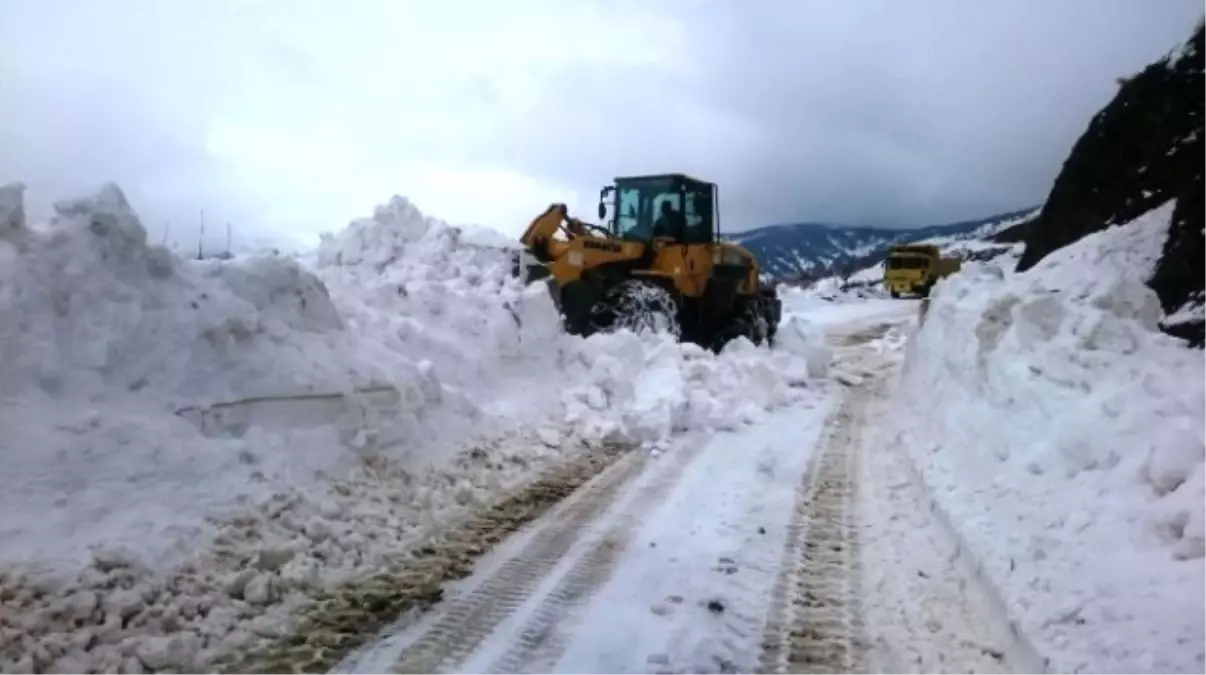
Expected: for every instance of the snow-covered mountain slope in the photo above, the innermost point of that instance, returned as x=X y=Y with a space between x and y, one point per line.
x=1062 y=434
x=866 y=279
x=791 y=251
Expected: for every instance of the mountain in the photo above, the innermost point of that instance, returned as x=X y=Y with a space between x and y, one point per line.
x=1141 y=151
x=995 y=239
x=792 y=251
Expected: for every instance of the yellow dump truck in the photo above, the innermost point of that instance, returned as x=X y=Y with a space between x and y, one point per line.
x=915 y=268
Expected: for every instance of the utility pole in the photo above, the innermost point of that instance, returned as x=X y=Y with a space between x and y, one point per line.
x=166 y=226
x=201 y=237
x=228 y=239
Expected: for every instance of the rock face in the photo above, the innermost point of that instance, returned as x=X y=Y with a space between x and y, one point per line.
x=1143 y=149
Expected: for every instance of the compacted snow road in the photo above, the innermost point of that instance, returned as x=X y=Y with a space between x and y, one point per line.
x=798 y=544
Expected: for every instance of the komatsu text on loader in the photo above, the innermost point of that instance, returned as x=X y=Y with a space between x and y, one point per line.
x=659 y=264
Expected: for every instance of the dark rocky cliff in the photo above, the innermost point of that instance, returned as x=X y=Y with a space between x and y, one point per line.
x=1143 y=149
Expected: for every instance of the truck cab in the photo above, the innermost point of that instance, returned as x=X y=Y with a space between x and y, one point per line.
x=915 y=268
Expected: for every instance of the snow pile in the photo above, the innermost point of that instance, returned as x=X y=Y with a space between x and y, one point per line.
x=1063 y=435
x=114 y=351
x=267 y=558
x=93 y=310
x=672 y=387
x=409 y=283
x=412 y=282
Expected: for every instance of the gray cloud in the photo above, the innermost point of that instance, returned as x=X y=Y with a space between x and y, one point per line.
x=288 y=121
x=886 y=112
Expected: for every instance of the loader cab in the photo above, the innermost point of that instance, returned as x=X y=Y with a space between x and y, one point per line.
x=674 y=206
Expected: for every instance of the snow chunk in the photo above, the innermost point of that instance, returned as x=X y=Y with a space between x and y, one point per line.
x=798 y=337
x=1173 y=459
x=175 y=651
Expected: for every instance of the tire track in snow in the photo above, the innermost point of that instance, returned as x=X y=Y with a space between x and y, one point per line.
x=547 y=634
x=340 y=621
x=815 y=620
x=962 y=626
x=469 y=620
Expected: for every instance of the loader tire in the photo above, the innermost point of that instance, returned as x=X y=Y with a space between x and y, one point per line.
x=772 y=327
x=748 y=321
x=638 y=305
x=754 y=323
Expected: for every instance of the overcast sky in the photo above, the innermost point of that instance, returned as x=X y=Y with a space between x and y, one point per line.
x=290 y=118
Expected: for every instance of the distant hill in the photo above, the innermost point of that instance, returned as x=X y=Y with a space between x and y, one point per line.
x=812 y=250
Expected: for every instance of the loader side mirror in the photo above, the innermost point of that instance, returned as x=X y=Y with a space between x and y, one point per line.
x=602 y=210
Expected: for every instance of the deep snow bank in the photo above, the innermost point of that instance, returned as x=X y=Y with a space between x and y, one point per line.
x=1063 y=433
x=92 y=309
x=105 y=338
x=411 y=284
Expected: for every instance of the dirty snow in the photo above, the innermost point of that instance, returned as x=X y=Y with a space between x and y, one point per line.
x=1062 y=434
x=193 y=447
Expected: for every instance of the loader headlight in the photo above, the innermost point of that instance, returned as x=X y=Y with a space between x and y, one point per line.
x=727 y=256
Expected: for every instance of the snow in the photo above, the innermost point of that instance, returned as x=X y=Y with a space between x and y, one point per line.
x=168 y=422
x=867 y=283
x=1187 y=49
x=1194 y=309
x=814 y=307
x=1062 y=434
x=194 y=449
x=697 y=564
x=731 y=510
x=961 y=625
x=837 y=289
x=705 y=521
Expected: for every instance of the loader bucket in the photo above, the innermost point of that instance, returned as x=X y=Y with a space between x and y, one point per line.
x=526 y=268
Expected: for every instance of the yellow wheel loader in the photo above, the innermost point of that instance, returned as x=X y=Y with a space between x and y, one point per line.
x=659 y=264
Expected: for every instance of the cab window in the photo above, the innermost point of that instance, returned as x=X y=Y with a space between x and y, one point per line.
x=628 y=220
x=698 y=213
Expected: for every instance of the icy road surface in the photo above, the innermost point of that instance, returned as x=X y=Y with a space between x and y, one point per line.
x=794 y=545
